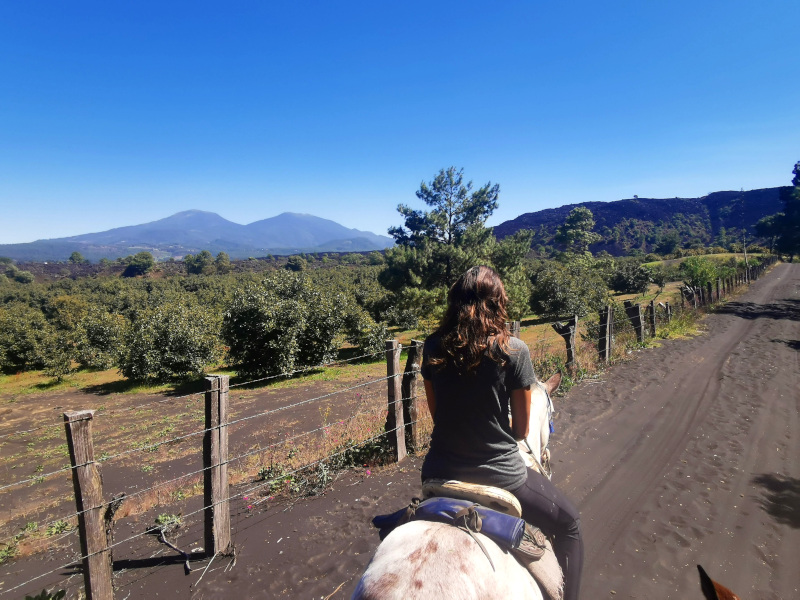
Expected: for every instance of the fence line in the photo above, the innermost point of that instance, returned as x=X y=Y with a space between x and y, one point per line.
x=173 y=398
x=204 y=469
x=192 y=513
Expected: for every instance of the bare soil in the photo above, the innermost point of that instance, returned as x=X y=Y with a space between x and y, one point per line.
x=686 y=454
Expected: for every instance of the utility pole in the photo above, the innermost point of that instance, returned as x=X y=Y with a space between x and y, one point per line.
x=746 y=264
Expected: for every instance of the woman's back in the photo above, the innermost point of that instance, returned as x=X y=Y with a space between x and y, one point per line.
x=472 y=438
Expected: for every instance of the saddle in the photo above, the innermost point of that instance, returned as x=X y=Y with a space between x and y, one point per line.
x=491 y=511
x=534 y=551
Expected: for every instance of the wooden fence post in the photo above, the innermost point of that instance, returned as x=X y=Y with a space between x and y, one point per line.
x=651 y=314
x=567 y=331
x=215 y=462
x=709 y=293
x=88 y=485
x=719 y=289
x=394 y=419
x=409 y=392
x=634 y=312
x=668 y=310
x=604 y=338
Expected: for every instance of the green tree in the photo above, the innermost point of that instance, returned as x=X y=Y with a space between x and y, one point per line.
x=24 y=337
x=76 y=258
x=668 y=242
x=296 y=264
x=173 y=339
x=698 y=271
x=140 y=263
x=434 y=247
x=629 y=277
x=455 y=223
x=99 y=338
x=223 y=263
x=200 y=264
x=280 y=324
x=562 y=289
x=576 y=232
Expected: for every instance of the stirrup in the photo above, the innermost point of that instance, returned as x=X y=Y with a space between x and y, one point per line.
x=491 y=497
x=533 y=544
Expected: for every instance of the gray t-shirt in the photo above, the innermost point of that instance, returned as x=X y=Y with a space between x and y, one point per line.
x=472 y=439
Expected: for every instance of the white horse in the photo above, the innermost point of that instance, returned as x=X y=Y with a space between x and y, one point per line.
x=427 y=560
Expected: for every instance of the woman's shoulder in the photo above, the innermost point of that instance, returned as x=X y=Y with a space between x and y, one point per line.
x=517 y=351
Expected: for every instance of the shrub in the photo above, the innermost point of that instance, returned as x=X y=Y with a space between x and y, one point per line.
x=281 y=324
x=572 y=288
x=24 y=335
x=697 y=271
x=630 y=278
x=99 y=337
x=174 y=339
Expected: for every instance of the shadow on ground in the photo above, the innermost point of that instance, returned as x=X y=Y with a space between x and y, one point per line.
x=785 y=309
x=781 y=499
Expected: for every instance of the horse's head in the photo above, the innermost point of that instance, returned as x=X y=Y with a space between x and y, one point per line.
x=713 y=590
x=541 y=416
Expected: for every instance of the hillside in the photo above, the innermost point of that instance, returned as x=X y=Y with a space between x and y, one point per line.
x=652 y=224
x=190 y=231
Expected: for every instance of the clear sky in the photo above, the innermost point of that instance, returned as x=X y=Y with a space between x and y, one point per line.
x=119 y=113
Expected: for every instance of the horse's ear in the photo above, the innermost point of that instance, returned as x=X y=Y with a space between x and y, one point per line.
x=713 y=590
x=707 y=585
x=553 y=383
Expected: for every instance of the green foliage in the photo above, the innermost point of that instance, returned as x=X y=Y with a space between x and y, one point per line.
x=667 y=242
x=281 y=324
x=175 y=338
x=8 y=551
x=76 y=258
x=574 y=287
x=140 y=263
x=222 y=263
x=99 y=338
x=455 y=206
x=435 y=247
x=24 y=337
x=296 y=264
x=202 y=264
x=168 y=522
x=698 y=271
x=576 y=233
x=24 y=277
x=789 y=241
x=57 y=527
x=629 y=277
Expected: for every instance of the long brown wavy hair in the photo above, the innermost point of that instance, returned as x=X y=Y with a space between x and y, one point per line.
x=476 y=313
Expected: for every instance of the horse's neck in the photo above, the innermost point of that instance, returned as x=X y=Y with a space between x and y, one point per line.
x=539 y=424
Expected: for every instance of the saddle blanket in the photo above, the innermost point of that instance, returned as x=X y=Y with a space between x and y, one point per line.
x=504 y=530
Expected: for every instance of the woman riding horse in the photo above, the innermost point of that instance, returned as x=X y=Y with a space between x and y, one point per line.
x=474 y=373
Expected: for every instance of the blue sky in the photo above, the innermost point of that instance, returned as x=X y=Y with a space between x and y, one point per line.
x=117 y=113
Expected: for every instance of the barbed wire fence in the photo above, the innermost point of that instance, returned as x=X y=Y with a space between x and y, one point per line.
x=586 y=344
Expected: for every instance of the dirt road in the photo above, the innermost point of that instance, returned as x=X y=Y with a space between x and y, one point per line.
x=690 y=455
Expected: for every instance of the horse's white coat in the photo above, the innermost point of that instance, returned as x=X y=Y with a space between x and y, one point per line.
x=425 y=560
